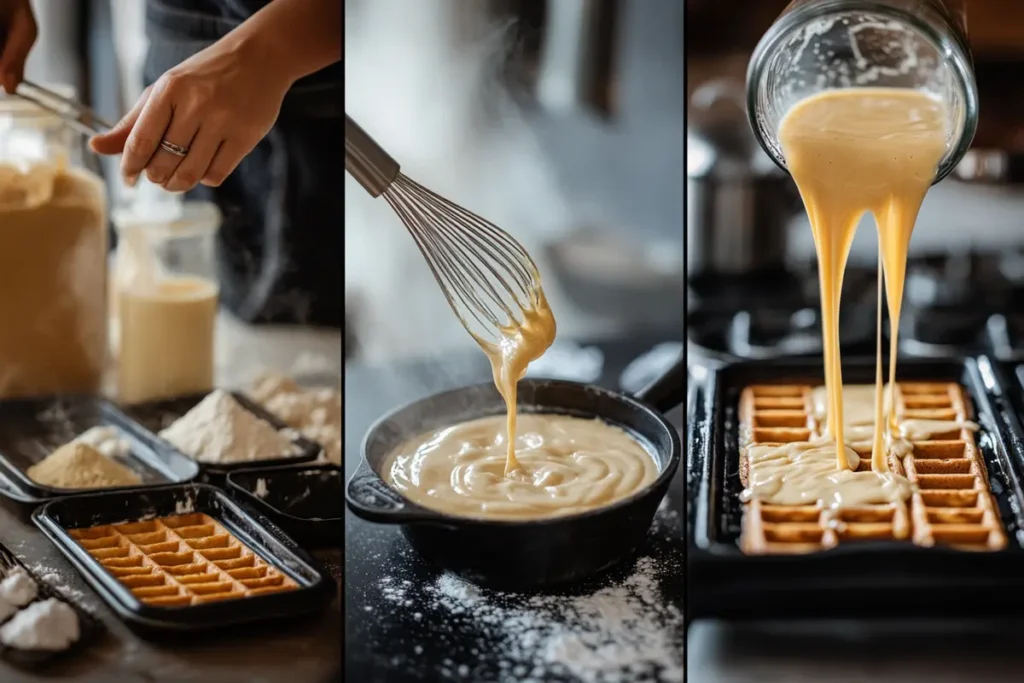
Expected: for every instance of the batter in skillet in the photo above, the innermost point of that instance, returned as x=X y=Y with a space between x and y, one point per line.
x=535 y=467
x=565 y=465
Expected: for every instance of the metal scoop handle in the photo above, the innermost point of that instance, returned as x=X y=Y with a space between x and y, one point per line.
x=79 y=117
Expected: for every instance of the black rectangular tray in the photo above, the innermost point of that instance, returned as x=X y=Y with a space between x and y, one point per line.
x=88 y=626
x=31 y=429
x=316 y=588
x=158 y=415
x=871 y=579
x=306 y=501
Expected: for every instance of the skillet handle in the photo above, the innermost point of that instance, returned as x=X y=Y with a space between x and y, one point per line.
x=371 y=499
x=668 y=391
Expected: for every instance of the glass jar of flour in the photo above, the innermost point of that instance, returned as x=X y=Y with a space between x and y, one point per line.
x=817 y=45
x=53 y=250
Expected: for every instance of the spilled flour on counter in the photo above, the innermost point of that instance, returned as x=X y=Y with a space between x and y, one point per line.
x=624 y=633
x=220 y=430
x=60 y=583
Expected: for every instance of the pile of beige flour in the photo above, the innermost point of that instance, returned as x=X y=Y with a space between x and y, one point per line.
x=315 y=413
x=220 y=430
x=79 y=465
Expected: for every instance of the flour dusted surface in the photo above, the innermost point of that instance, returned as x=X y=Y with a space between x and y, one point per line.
x=219 y=430
x=626 y=632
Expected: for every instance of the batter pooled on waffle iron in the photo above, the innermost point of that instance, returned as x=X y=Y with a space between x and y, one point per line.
x=935 y=489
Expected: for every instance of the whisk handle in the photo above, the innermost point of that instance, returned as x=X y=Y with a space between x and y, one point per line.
x=367 y=161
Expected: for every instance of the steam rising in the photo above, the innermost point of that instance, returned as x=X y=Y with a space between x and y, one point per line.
x=420 y=78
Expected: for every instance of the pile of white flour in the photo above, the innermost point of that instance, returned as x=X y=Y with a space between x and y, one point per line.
x=315 y=413
x=44 y=625
x=624 y=633
x=219 y=430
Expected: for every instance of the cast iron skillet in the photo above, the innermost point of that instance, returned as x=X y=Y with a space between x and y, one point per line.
x=525 y=555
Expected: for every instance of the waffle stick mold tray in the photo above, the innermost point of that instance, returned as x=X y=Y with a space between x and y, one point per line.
x=184 y=558
x=959 y=531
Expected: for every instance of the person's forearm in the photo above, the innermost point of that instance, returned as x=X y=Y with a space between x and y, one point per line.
x=297 y=37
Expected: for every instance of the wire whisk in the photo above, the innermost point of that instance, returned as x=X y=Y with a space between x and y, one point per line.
x=488 y=278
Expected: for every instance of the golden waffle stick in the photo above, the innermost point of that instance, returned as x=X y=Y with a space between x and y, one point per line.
x=122 y=561
x=147 y=539
x=170 y=601
x=95 y=543
x=180 y=561
x=951 y=504
x=130 y=571
x=199 y=578
x=247 y=573
x=246 y=561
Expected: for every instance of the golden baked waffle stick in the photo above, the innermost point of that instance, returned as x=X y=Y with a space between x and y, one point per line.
x=181 y=560
x=952 y=505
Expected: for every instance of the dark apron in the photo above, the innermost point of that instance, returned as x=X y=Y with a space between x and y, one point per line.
x=279 y=249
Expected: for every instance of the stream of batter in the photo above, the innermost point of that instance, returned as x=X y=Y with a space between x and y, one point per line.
x=854 y=151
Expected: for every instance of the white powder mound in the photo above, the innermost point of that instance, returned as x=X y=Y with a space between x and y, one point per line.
x=220 y=430
x=624 y=633
x=107 y=440
x=18 y=588
x=47 y=625
x=6 y=609
x=316 y=413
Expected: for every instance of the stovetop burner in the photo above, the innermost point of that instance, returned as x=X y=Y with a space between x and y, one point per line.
x=953 y=304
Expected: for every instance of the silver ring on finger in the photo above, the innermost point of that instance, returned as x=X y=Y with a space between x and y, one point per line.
x=171 y=148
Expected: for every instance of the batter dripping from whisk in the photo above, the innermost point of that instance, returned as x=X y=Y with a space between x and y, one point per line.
x=521 y=343
x=564 y=464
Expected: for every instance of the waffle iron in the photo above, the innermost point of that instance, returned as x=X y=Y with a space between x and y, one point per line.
x=867 y=579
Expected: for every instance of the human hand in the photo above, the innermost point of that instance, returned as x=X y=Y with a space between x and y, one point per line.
x=18 y=33
x=215 y=106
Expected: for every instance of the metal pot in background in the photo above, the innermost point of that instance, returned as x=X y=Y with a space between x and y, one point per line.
x=738 y=202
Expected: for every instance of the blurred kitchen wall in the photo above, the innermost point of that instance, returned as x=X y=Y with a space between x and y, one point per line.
x=595 y=197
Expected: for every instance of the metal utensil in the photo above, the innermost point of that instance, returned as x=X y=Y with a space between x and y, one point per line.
x=738 y=203
x=77 y=115
x=485 y=274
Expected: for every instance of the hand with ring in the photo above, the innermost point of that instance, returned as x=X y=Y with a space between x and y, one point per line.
x=197 y=122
